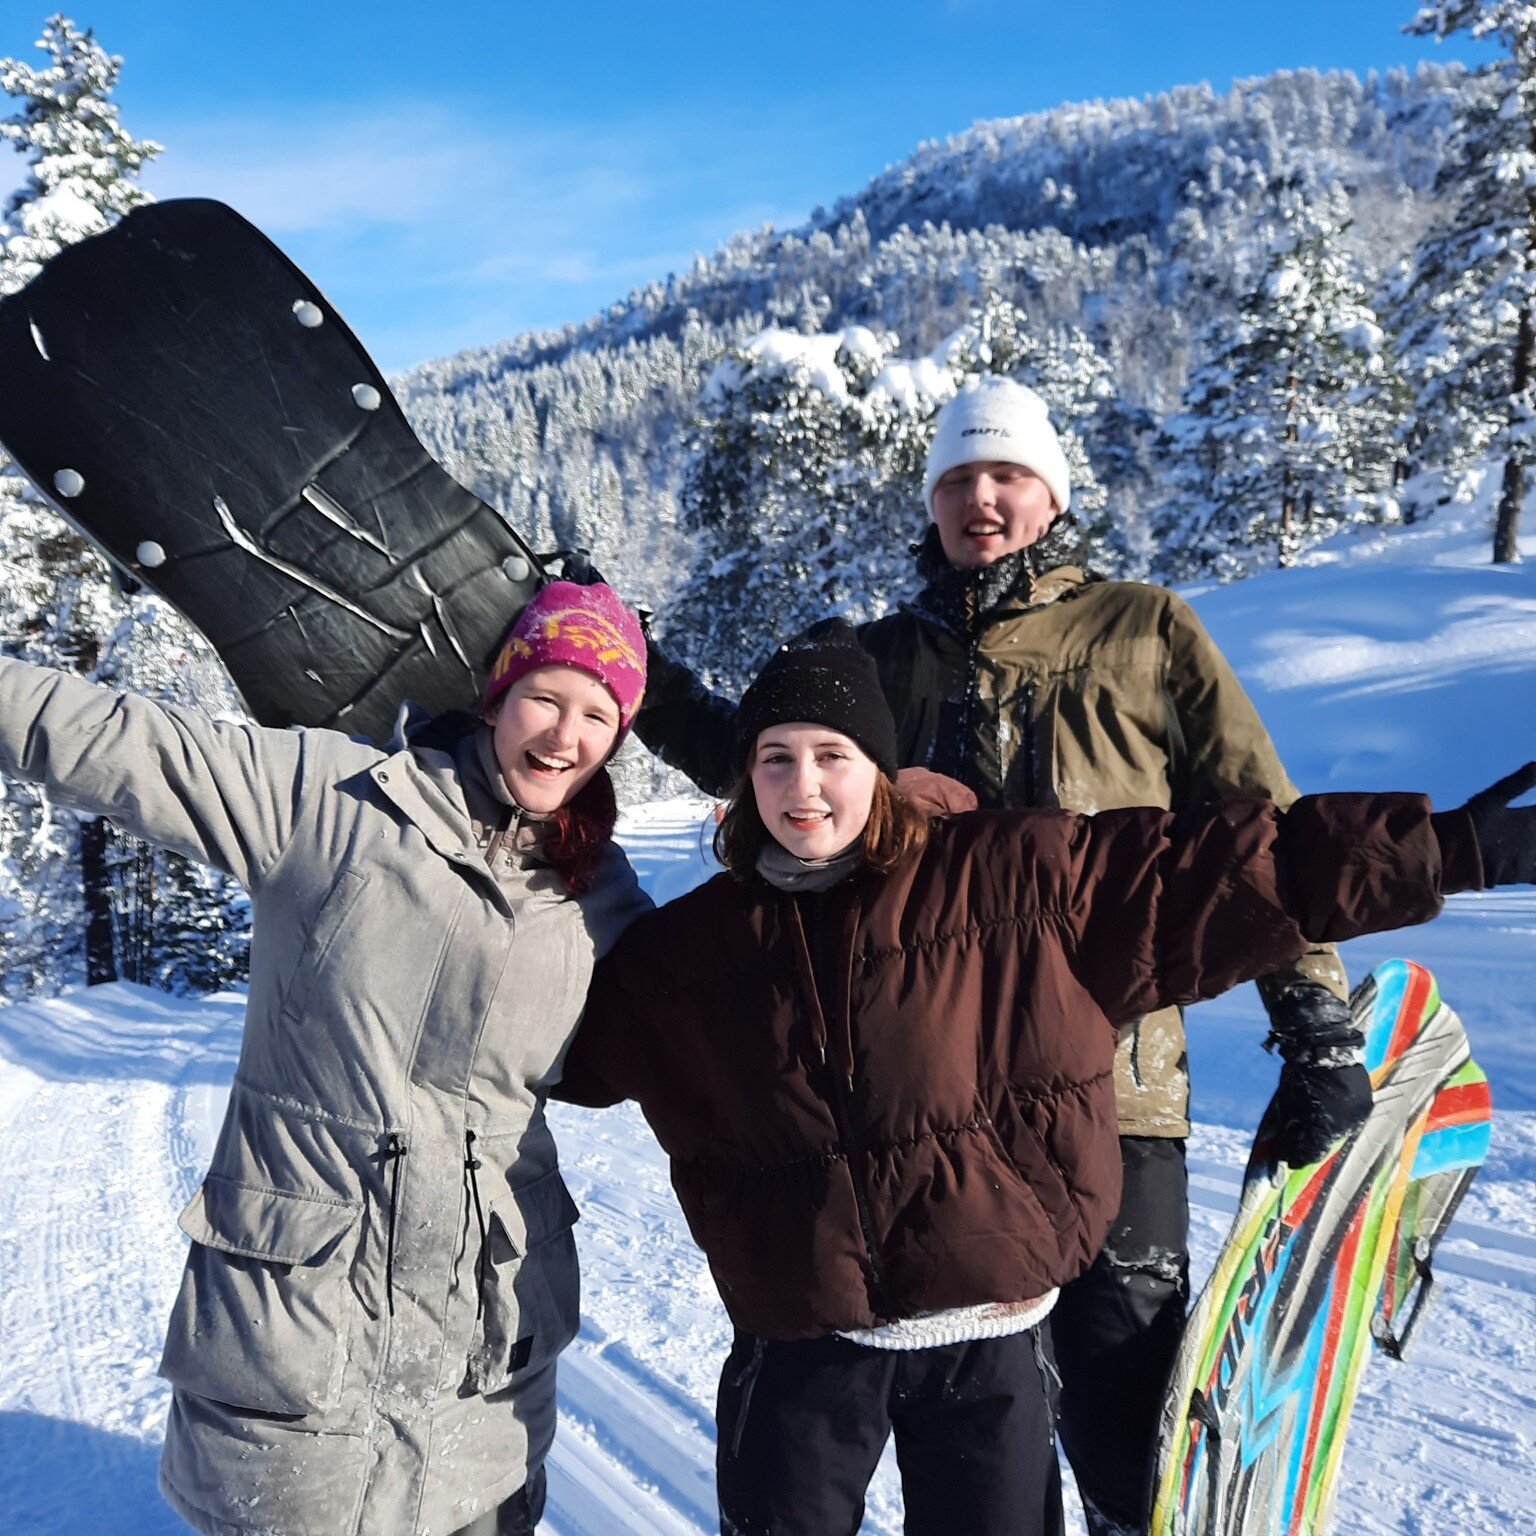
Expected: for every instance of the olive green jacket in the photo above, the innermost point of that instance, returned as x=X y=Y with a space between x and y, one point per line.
x=1074 y=692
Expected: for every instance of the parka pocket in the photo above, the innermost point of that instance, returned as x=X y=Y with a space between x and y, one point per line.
x=262 y=1318
x=1026 y=1151
x=530 y=1288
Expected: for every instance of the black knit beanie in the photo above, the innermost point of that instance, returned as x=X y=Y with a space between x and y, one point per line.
x=821 y=677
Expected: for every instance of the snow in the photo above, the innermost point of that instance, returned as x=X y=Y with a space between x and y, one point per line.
x=815 y=357
x=1402 y=661
x=915 y=388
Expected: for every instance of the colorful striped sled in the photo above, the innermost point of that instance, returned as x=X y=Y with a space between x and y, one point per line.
x=1320 y=1260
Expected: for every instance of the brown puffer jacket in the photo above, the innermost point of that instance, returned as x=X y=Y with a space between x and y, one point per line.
x=937 y=1127
x=1060 y=690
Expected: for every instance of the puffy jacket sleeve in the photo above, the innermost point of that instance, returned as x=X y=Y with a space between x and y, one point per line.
x=684 y=724
x=1222 y=750
x=1170 y=908
x=605 y=1061
x=220 y=793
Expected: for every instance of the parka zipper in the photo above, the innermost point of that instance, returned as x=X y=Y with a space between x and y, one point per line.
x=963 y=757
x=1027 y=747
x=842 y=1098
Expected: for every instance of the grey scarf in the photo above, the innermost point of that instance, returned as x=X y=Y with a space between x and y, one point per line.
x=784 y=872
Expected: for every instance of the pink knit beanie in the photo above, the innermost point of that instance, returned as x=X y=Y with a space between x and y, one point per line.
x=583 y=627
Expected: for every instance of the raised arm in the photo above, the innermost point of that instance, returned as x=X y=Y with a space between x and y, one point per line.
x=1169 y=908
x=220 y=793
x=684 y=724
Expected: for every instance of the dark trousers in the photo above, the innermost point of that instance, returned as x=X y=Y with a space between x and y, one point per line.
x=516 y=1517
x=802 y=1426
x=1116 y=1330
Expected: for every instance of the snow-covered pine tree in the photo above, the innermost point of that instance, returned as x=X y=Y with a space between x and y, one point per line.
x=1286 y=431
x=177 y=924
x=1469 y=332
x=69 y=905
x=81 y=167
x=82 y=164
x=786 y=494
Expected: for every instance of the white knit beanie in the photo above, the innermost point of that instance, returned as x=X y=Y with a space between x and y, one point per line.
x=996 y=419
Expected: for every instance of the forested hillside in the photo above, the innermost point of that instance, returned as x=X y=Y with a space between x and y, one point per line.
x=1157 y=268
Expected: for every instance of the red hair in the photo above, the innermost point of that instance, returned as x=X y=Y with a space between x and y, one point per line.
x=583 y=829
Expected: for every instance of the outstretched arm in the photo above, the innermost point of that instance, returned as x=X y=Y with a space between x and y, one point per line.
x=1174 y=908
x=220 y=793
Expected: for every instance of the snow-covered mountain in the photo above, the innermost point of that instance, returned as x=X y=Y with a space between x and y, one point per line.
x=1137 y=222
x=1401 y=662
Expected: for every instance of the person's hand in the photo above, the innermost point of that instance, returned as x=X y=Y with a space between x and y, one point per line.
x=1506 y=834
x=1315 y=1106
x=576 y=565
x=934 y=794
x=1324 y=1091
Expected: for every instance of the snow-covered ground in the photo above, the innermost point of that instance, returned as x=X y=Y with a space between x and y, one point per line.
x=1401 y=663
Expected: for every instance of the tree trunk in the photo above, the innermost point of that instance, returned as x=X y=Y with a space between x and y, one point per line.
x=1288 y=471
x=95 y=882
x=1512 y=498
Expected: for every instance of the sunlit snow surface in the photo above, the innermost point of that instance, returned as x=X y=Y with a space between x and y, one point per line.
x=1407 y=663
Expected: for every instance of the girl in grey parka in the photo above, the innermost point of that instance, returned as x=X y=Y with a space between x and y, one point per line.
x=382 y=1270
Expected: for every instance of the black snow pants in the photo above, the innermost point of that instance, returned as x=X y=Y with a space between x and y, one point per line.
x=802 y=1425
x=517 y=1516
x=1116 y=1329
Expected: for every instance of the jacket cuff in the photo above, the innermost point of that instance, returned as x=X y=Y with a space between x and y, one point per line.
x=1461 y=862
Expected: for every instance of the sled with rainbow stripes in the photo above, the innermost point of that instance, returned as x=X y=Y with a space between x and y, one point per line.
x=1321 y=1261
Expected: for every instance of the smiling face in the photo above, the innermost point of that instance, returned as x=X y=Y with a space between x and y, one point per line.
x=989 y=509
x=553 y=729
x=813 y=788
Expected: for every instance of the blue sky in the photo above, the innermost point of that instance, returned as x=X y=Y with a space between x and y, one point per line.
x=452 y=175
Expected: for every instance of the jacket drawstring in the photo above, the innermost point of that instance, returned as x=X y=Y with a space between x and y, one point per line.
x=807 y=975
x=394 y=1153
x=471 y=1167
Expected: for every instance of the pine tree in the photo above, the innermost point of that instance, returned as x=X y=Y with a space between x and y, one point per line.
x=75 y=890
x=1287 y=424
x=82 y=164
x=1472 y=346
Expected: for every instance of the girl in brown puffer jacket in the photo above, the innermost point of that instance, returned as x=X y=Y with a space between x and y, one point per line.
x=879 y=1054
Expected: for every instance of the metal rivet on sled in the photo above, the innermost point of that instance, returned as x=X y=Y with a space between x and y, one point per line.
x=69 y=482
x=367 y=396
x=516 y=568
x=150 y=554
x=308 y=314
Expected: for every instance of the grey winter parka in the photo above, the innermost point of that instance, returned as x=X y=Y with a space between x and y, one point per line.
x=348 y=1355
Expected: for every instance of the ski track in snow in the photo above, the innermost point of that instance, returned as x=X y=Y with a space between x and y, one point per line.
x=109 y=1100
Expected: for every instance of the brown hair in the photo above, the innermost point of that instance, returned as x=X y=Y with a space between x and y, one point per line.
x=895 y=830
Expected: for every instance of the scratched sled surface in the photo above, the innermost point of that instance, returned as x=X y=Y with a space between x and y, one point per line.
x=1321 y=1261
x=185 y=396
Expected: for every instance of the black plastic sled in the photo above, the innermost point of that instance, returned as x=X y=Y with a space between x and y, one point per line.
x=188 y=400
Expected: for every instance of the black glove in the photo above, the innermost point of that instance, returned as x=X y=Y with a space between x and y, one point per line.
x=1506 y=834
x=576 y=565
x=1324 y=1091
x=1315 y=1107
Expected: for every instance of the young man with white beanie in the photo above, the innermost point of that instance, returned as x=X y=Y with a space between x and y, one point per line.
x=1035 y=682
